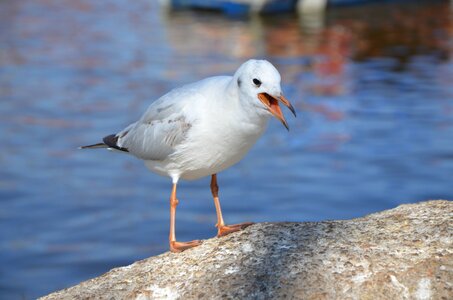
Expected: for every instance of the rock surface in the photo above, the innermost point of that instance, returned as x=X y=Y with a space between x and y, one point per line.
x=403 y=253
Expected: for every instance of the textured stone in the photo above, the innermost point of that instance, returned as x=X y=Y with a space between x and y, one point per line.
x=403 y=253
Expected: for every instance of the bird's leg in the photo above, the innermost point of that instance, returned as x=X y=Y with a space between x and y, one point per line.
x=174 y=245
x=223 y=229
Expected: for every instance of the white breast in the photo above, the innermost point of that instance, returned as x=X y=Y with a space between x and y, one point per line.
x=214 y=143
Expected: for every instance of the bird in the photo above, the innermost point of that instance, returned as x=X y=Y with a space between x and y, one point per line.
x=203 y=128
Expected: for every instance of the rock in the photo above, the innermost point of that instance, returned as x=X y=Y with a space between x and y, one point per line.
x=403 y=253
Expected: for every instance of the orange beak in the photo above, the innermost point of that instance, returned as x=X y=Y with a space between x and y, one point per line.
x=272 y=105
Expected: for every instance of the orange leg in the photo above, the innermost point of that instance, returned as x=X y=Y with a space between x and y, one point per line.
x=174 y=245
x=223 y=229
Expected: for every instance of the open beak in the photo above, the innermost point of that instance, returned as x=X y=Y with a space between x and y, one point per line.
x=271 y=102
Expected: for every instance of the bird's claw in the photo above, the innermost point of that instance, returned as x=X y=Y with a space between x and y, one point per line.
x=181 y=246
x=227 y=229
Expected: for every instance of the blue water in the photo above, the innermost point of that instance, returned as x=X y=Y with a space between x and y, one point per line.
x=372 y=87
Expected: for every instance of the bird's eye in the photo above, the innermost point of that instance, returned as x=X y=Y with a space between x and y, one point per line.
x=256 y=82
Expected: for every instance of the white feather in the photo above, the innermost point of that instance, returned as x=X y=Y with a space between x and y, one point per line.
x=204 y=127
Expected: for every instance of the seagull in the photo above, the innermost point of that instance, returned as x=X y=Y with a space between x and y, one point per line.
x=203 y=128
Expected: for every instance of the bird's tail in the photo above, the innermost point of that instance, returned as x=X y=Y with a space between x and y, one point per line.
x=109 y=142
x=94 y=146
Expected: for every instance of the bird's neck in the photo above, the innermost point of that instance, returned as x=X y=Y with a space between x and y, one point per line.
x=232 y=89
x=248 y=112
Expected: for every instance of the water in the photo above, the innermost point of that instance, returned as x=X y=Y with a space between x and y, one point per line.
x=372 y=86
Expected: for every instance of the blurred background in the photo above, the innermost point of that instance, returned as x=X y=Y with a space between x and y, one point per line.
x=372 y=86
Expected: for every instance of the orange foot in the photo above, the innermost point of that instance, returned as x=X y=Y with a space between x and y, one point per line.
x=227 y=229
x=181 y=246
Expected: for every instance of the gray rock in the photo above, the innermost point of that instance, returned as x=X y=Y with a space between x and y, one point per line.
x=403 y=253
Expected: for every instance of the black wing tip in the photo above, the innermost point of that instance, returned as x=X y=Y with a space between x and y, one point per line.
x=111 y=141
x=94 y=146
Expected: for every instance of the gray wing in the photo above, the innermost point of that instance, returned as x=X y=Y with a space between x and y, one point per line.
x=154 y=140
x=161 y=128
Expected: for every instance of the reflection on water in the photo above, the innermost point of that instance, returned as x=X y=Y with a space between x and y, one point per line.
x=372 y=86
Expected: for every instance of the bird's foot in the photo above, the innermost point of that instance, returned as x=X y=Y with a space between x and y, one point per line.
x=227 y=229
x=181 y=246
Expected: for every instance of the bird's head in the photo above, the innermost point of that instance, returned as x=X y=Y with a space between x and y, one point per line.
x=259 y=82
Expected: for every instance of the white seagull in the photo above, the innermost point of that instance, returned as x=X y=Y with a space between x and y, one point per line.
x=203 y=128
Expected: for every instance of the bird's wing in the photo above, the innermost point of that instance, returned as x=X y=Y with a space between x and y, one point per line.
x=163 y=126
